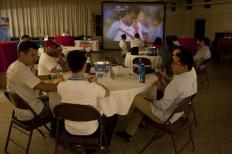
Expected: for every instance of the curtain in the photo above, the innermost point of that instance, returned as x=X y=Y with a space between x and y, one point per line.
x=47 y=17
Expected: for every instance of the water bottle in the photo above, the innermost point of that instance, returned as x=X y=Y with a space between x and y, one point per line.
x=88 y=66
x=139 y=65
x=59 y=71
x=142 y=73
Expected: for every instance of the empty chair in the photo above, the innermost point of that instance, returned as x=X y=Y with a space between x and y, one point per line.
x=112 y=60
x=134 y=50
x=80 y=113
x=27 y=127
x=145 y=61
x=167 y=126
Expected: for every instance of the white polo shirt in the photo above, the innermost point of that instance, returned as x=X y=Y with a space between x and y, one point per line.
x=22 y=81
x=182 y=86
x=136 y=42
x=46 y=64
x=123 y=45
x=202 y=54
x=84 y=93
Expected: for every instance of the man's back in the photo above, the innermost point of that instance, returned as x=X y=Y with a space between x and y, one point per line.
x=136 y=42
x=202 y=54
x=123 y=45
x=46 y=64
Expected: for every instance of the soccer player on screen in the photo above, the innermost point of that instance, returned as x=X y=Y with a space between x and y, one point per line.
x=126 y=25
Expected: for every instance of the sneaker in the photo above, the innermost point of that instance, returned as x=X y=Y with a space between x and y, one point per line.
x=124 y=135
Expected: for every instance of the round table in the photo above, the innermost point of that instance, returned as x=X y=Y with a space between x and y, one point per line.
x=122 y=89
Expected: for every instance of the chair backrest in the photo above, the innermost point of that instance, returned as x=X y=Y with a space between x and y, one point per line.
x=145 y=61
x=76 y=112
x=183 y=106
x=16 y=100
x=202 y=66
x=112 y=60
x=134 y=51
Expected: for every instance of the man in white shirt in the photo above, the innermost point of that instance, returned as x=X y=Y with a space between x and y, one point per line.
x=126 y=25
x=184 y=84
x=203 y=53
x=137 y=42
x=50 y=59
x=123 y=45
x=22 y=80
x=80 y=90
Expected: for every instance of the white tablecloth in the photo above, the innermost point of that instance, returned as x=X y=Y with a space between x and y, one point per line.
x=82 y=44
x=155 y=60
x=67 y=49
x=123 y=89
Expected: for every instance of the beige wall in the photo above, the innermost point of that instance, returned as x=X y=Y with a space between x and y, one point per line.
x=181 y=22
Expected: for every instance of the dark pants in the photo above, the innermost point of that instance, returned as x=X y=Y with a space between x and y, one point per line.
x=46 y=113
x=109 y=126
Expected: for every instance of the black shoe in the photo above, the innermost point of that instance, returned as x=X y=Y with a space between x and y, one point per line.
x=124 y=135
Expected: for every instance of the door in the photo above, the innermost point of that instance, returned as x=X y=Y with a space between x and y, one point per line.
x=199 y=28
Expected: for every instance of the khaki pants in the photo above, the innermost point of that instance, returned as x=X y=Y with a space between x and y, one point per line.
x=142 y=107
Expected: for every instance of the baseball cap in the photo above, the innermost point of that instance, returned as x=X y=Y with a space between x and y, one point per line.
x=50 y=43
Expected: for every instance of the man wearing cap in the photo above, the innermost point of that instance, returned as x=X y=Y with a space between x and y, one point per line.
x=50 y=59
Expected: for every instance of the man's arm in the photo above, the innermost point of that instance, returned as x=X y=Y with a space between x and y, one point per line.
x=47 y=87
x=170 y=94
x=107 y=92
x=46 y=77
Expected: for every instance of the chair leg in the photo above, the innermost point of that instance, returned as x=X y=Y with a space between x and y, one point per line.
x=207 y=78
x=195 y=116
x=8 y=136
x=29 y=141
x=173 y=140
x=40 y=132
x=49 y=130
x=56 y=148
x=191 y=136
x=149 y=142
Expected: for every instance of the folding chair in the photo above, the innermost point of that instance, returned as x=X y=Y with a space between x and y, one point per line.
x=202 y=72
x=167 y=126
x=194 y=111
x=112 y=60
x=145 y=61
x=134 y=51
x=27 y=127
x=80 y=113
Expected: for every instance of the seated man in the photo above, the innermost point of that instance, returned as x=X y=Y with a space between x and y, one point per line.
x=22 y=80
x=24 y=38
x=123 y=45
x=183 y=84
x=80 y=90
x=50 y=59
x=203 y=53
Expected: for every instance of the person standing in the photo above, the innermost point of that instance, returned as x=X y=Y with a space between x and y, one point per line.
x=123 y=45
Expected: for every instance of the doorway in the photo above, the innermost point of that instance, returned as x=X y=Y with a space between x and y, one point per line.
x=199 y=31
